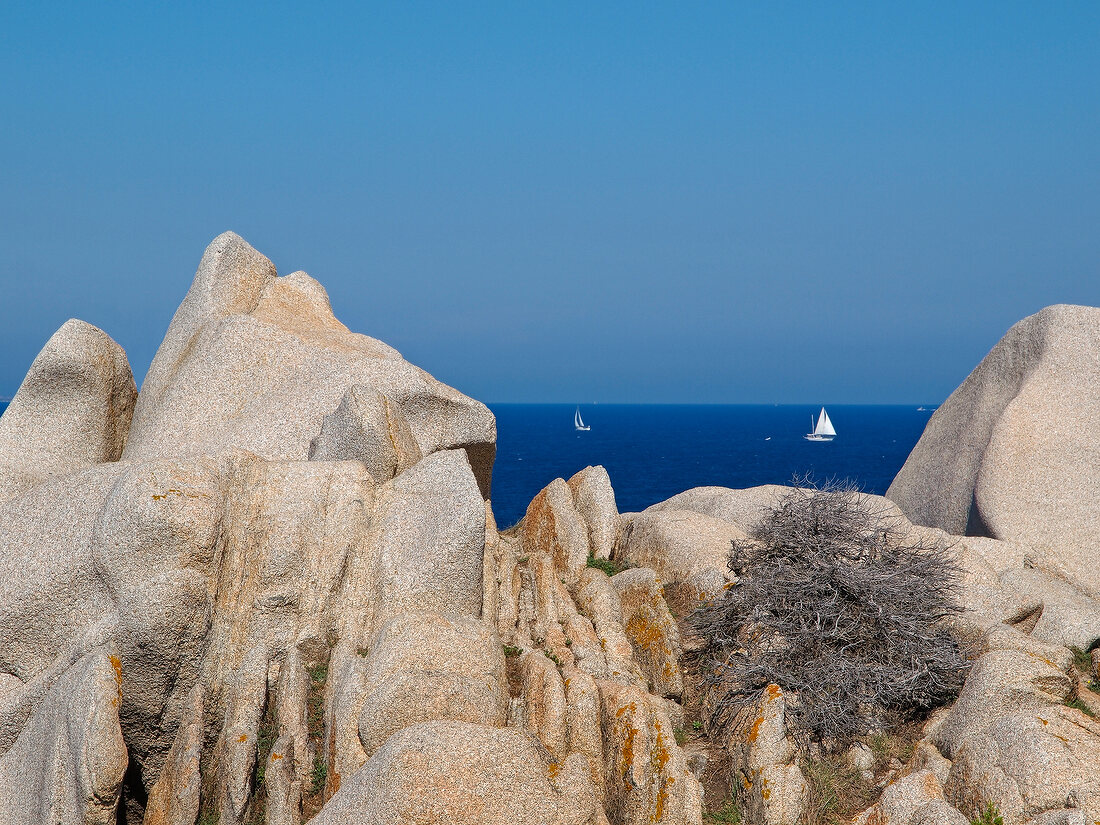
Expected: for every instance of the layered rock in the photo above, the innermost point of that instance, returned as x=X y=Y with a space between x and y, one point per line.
x=287 y=599
x=598 y=670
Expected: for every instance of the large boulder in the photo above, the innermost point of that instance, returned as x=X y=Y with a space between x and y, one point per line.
x=683 y=546
x=595 y=501
x=288 y=596
x=426 y=666
x=459 y=772
x=68 y=762
x=742 y=508
x=256 y=361
x=1011 y=738
x=72 y=410
x=1011 y=454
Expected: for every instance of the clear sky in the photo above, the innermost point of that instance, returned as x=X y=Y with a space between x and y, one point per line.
x=575 y=202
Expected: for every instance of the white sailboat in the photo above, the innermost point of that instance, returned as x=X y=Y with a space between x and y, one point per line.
x=578 y=422
x=823 y=431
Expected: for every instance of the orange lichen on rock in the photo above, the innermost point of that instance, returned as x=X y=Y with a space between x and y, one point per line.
x=116 y=663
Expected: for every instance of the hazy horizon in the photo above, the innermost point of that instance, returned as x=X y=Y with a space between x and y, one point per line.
x=849 y=203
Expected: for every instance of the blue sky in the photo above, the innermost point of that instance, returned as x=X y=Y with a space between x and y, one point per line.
x=576 y=202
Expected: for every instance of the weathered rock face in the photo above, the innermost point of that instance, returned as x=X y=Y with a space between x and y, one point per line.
x=287 y=599
x=598 y=673
x=766 y=762
x=458 y=772
x=1010 y=454
x=256 y=361
x=67 y=764
x=1011 y=739
x=72 y=410
x=916 y=797
x=595 y=502
x=684 y=547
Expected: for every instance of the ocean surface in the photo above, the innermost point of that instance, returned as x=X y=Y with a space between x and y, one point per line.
x=655 y=451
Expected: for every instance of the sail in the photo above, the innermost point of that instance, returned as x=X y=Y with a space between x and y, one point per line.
x=824 y=425
x=578 y=422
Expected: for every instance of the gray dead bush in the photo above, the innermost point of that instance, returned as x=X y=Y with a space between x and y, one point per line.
x=840 y=610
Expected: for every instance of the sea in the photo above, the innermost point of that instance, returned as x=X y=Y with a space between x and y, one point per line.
x=652 y=452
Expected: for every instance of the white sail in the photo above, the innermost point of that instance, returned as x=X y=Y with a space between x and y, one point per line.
x=823 y=430
x=578 y=422
x=824 y=425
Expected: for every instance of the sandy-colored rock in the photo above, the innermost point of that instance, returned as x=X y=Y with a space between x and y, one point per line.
x=292 y=714
x=425 y=666
x=544 y=703
x=652 y=631
x=433 y=538
x=367 y=427
x=684 y=547
x=175 y=798
x=595 y=501
x=582 y=722
x=937 y=812
x=741 y=508
x=282 y=786
x=1010 y=738
x=552 y=527
x=927 y=757
x=72 y=410
x=67 y=764
x=763 y=755
x=646 y=775
x=598 y=600
x=1010 y=453
x=462 y=773
x=255 y=361
x=902 y=799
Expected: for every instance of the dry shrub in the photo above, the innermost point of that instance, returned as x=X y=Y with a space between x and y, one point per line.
x=842 y=611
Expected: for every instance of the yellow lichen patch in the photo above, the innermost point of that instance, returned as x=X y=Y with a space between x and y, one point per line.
x=116 y=664
x=628 y=752
x=242 y=738
x=658 y=758
x=275 y=755
x=631 y=707
x=754 y=730
x=774 y=692
x=553 y=769
x=644 y=632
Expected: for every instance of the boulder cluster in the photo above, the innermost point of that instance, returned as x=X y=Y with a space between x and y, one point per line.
x=270 y=588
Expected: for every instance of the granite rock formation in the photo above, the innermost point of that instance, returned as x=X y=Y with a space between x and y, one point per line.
x=273 y=589
x=1011 y=454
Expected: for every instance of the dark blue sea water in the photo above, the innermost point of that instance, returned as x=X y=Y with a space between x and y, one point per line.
x=653 y=452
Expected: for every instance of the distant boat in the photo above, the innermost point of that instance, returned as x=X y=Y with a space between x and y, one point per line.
x=578 y=422
x=824 y=430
